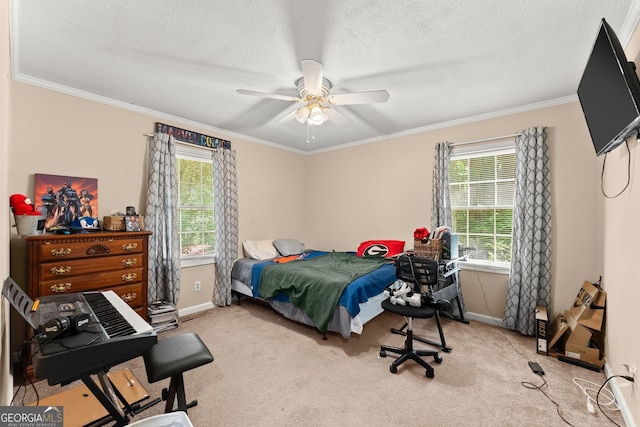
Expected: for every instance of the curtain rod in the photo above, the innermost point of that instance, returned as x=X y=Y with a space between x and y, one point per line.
x=495 y=138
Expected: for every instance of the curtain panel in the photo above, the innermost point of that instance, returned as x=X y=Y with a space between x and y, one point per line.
x=441 y=206
x=530 y=277
x=225 y=184
x=441 y=203
x=161 y=218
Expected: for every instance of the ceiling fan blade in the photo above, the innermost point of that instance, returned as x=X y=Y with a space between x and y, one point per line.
x=269 y=95
x=359 y=97
x=337 y=117
x=312 y=73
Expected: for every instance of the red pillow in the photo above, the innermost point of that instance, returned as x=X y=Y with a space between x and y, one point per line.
x=382 y=248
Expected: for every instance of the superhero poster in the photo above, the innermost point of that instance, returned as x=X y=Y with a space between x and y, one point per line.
x=65 y=199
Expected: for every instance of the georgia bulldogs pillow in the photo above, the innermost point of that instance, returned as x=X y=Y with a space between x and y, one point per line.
x=381 y=248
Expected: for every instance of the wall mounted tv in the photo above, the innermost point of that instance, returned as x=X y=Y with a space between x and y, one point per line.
x=609 y=93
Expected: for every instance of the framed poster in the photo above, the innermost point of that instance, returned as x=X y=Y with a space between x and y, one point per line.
x=63 y=199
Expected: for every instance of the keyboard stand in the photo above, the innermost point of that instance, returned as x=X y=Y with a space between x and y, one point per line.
x=89 y=405
x=111 y=399
x=107 y=397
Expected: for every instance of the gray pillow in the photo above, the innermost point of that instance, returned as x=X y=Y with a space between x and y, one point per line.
x=288 y=247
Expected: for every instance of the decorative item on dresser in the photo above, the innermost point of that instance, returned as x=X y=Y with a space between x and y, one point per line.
x=98 y=261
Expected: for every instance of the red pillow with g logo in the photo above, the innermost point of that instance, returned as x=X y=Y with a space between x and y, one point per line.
x=381 y=248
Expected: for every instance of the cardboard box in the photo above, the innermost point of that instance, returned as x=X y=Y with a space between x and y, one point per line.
x=559 y=328
x=578 y=333
x=542 y=330
x=588 y=308
x=581 y=345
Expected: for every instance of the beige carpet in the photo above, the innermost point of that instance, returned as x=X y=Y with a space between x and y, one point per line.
x=269 y=371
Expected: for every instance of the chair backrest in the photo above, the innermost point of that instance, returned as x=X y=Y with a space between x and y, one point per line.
x=421 y=272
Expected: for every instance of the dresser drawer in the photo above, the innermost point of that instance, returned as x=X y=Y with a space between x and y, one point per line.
x=91 y=282
x=66 y=268
x=90 y=248
x=131 y=294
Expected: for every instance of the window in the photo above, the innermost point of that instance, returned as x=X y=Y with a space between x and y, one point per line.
x=196 y=225
x=482 y=186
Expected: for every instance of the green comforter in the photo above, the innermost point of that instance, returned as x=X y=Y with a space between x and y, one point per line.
x=314 y=285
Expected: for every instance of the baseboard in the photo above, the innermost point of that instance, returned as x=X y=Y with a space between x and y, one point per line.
x=622 y=403
x=484 y=319
x=195 y=309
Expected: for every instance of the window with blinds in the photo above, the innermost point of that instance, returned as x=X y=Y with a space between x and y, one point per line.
x=482 y=186
x=196 y=225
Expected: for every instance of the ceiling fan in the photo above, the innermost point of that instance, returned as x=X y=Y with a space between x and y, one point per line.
x=314 y=92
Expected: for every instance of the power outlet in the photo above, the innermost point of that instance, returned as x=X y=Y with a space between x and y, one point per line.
x=198 y=285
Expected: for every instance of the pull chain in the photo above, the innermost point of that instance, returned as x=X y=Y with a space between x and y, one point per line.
x=313 y=133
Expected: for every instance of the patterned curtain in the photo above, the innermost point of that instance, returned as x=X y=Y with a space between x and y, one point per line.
x=161 y=218
x=441 y=206
x=225 y=185
x=530 y=278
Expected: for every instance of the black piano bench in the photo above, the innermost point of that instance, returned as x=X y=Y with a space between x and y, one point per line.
x=172 y=356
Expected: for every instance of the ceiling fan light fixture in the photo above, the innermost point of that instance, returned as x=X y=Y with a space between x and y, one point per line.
x=302 y=114
x=317 y=116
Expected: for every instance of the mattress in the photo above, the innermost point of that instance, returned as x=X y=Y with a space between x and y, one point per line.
x=358 y=303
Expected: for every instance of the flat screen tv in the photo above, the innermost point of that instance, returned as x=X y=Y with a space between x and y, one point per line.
x=609 y=93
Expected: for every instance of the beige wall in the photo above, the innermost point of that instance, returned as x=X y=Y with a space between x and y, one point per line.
x=60 y=134
x=5 y=124
x=618 y=229
x=383 y=190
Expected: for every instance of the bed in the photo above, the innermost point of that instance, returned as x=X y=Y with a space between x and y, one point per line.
x=331 y=291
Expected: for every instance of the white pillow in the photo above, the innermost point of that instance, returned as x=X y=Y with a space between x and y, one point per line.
x=260 y=249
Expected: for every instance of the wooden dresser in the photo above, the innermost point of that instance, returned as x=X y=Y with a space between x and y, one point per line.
x=93 y=261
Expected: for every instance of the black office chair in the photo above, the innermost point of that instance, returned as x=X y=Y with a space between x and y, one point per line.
x=422 y=273
x=419 y=273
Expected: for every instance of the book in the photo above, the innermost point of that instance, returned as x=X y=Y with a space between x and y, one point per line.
x=165 y=326
x=163 y=317
x=160 y=307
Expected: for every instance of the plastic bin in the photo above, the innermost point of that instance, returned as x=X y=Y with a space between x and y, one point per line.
x=173 y=419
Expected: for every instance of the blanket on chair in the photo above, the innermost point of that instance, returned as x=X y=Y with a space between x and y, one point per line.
x=314 y=285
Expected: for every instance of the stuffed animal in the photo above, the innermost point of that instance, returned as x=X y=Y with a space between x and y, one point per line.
x=421 y=233
x=86 y=223
x=400 y=293
x=21 y=205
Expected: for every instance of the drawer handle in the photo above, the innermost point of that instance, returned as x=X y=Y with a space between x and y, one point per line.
x=129 y=297
x=129 y=246
x=61 y=287
x=129 y=262
x=61 y=251
x=129 y=277
x=61 y=270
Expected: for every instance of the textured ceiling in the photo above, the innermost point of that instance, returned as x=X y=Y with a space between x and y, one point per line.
x=441 y=61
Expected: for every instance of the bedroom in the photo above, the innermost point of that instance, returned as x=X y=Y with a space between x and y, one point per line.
x=592 y=236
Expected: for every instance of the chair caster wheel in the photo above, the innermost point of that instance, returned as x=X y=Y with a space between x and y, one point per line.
x=383 y=353
x=393 y=369
x=437 y=359
x=430 y=374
